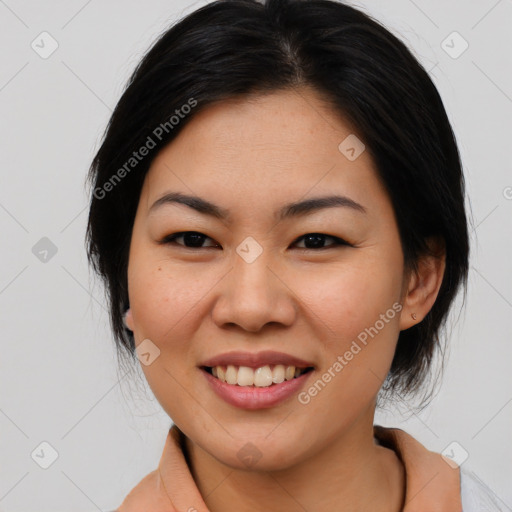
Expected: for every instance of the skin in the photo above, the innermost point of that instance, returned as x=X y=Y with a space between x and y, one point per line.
x=251 y=157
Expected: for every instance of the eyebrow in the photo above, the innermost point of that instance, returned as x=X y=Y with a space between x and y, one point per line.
x=290 y=210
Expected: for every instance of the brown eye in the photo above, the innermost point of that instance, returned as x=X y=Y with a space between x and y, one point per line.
x=317 y=241
x=191 y=239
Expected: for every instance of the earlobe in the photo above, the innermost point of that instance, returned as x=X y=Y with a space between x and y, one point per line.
x=423 y=287
x=128 y=319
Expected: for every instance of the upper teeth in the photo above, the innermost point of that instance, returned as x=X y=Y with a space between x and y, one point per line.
x=263 y=376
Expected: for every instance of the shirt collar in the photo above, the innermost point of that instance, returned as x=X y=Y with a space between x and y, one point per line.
x=432 y=484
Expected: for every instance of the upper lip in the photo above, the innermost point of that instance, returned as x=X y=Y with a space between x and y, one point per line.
x=256 y=360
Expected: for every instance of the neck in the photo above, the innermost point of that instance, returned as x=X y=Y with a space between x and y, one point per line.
x=350 y=473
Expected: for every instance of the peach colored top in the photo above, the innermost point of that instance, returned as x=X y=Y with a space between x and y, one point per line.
x=432 y=485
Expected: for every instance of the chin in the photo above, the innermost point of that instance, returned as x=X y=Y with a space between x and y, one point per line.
x=260 y=452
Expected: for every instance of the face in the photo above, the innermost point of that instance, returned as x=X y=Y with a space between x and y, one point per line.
x=321 y=282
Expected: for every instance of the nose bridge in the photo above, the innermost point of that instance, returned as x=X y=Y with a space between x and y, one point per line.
x=252 y=295
x=251 y=271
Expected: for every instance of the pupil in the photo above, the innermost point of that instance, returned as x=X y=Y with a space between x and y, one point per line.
x=316 y=238
x=193 y=239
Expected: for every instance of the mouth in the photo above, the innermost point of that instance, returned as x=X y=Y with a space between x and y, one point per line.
x=261 y=377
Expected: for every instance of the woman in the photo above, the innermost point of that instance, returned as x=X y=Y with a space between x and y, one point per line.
x=278 y=215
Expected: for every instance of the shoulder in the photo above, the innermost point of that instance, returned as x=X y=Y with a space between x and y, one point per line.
x=146 y=495
x=475 y=496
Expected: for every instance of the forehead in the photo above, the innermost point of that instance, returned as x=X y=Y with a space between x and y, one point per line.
x=263 y=148
x=284 y=127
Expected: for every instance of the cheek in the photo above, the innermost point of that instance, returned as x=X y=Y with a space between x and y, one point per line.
x=167 y=306
x=359 y=309
x=164 y=299
x=350 y=297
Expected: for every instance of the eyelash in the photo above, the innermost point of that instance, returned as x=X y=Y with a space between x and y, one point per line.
x=338 y=241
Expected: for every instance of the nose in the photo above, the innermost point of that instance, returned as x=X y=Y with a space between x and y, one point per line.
x=253 y=295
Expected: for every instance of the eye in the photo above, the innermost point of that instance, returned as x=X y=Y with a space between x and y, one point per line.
x=316 y=241
x=195 y=240
x=191 y=239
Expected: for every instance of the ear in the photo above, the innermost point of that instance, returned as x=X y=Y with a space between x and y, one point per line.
x=128 y=319
x=422 y=285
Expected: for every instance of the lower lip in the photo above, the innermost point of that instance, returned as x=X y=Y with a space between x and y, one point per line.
x=252 y=397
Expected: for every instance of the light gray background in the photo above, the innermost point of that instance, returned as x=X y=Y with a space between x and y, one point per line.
x=59 y=381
